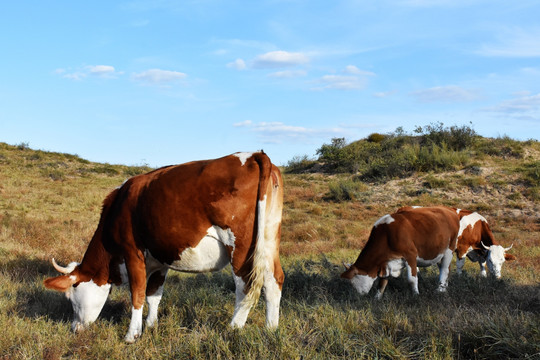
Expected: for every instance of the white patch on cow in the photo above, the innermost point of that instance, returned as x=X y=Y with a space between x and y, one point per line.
x=495 y=260
x=210 y=254
x=458 y=211
x=416 y=207
x=135 y=327
x=243 y=156
x=241 y=307
x=153 y=304
x=469 y=220
x=394 y=267
x=386 y=219
x=87 y=300
x=362 y=283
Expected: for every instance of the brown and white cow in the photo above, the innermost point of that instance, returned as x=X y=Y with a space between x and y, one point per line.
x=195 y=217
x=476 y=241
x=408 y=238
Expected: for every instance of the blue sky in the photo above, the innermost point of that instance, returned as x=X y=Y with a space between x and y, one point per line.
x=162 y=82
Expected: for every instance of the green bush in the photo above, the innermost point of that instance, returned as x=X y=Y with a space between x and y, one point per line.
x=299 y=164
x=344 y=190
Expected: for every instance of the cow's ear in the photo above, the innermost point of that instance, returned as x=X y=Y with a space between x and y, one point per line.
x=60 y=283
x=350 y=273
x=509 y=257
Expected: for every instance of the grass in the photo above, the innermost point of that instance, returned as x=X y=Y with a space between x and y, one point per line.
x=322 y=317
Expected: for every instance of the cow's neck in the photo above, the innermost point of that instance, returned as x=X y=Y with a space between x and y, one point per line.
x=96 y=260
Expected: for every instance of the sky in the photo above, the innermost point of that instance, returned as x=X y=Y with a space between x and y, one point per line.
x=159 y=82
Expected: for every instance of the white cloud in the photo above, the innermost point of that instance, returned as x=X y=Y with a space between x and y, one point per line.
x=237 y=64
x=353 y=70
x=450 y=93
x=516 y=43
x=243 y=123
x=101 y=70
x=279 y=59
x=277 y=132
x=523 y=105
x=288 y=74
x=158 y=76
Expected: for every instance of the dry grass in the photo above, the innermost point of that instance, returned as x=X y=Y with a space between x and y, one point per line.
x=50 y=204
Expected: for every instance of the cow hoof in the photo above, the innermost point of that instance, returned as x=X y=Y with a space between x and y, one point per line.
x=130 y=339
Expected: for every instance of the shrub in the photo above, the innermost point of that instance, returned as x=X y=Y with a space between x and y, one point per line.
x=299 y=164
x=375 y=138
x=345 y=190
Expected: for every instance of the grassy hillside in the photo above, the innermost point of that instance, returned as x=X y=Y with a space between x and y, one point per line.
x=50 y=205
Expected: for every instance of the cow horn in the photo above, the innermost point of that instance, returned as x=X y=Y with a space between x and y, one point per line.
x=485 y=247
x=60 y=269
x=508 y=248
x=347 y=266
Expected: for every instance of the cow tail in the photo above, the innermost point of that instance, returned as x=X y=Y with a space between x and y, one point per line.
x=260 y=260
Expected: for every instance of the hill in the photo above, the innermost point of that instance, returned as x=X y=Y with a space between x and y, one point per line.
x=50 y=205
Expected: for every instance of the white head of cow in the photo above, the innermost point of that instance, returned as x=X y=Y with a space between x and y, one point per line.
x=86 y=297
x=361 y=281
x=496 y=256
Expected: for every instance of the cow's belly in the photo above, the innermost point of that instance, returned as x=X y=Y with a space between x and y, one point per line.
x=210 y=254
x=424 y=263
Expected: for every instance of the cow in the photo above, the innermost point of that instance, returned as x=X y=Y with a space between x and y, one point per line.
x=408 y=238
x=476 y=241
x=194 y=217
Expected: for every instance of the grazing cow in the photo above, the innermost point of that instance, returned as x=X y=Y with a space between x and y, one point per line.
x=408 y=238
x=476 y=241
x=195 y=217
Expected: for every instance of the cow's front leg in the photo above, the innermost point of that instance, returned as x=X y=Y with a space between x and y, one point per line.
x=483 y=271
x=444 y=270
x=241 y=307
x=412 y=274
x=459 y=265
x=136 y=269
x=154 y=292
x=382 y=286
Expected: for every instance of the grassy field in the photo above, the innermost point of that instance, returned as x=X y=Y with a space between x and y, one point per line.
x=50 y=205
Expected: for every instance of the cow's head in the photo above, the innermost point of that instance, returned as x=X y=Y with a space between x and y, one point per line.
x=496 y=256
x=360 y=279
x=86 y=297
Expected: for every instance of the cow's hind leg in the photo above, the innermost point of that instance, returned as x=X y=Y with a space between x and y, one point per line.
x=272 y=294
x=242 y=306
x=444 y=270
x=154 y=292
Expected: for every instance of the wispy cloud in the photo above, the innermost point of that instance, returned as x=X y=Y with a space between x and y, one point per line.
x=159 y=77
x=238 y=64
x=450 y=93
x=515 y=43
x=277 y=132
x=102 y=71
x=524 y=106
x=288 y=74
x=279 y=59
x=351 y=78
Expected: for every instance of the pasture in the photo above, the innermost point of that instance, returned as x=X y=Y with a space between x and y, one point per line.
x=50 y=205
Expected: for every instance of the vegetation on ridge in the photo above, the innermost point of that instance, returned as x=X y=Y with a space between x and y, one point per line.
x=50 y=205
